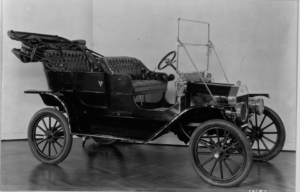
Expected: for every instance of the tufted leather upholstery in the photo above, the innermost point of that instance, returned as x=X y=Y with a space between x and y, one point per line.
x=72 y=60
x=143 y=79
x=148 y=85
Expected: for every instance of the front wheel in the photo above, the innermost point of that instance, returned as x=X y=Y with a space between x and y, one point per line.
x=266 y=134
x=220 y=153
x=49 y=136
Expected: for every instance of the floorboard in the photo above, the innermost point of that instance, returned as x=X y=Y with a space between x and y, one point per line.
x=133 y=167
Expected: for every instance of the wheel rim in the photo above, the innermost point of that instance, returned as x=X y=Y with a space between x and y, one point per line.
x=220 y=155
x=48 y=136
x=262 y=133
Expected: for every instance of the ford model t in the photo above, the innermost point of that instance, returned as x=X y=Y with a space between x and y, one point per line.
x=107 y=99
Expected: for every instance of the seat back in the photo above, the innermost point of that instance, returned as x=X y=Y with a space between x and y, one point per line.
x=130 y=66
x=124 y=65
x=71 y=60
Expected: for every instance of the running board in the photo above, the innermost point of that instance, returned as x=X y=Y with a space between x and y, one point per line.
x=88 y=136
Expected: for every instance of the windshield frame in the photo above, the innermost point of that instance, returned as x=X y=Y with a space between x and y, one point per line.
x=209 y=46
x=181 y=44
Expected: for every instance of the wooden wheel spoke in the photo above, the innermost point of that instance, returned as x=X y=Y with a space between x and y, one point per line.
x=221 y=169
x=207 y=161
x=267 y=126
x=231 y=172
x=225 y=140
x=54 y=126
x=211 y=140
x=205 y=145
x=44 y=147
x=232 y=151
x=233 y=162
x=40 y=142
x=258 y=146
x=58 y=143
x=217 y=132
x=57 y=131
x=262 y=121
x=49 y=124
x=45 y=124
x=59 y=137
x=264 y=144
x=213 y=167
x=253 y=141
x=269 y=140
x=270 y=133
x=41 y=129
x=58 y=126
x=232 y=146
x=204 y=153
x=54 y=147
x=49 y=149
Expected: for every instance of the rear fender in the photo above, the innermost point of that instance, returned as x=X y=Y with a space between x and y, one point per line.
x=192 y=114
x=58 y=100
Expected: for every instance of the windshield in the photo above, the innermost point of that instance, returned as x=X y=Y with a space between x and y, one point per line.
x=194 y=47
x=193 y=40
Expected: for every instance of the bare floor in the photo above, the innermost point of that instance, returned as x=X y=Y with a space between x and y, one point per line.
x=132 y=167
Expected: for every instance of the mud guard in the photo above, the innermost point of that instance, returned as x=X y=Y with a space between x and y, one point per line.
x=51 y=98
x=259 y=94
x=183 y=116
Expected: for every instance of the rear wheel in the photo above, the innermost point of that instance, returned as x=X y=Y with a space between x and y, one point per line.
x=220 y=153
x=49 y=136
x=266 y=134
x=105 y=141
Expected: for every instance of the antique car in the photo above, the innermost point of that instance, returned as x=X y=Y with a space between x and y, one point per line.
x=106 y=98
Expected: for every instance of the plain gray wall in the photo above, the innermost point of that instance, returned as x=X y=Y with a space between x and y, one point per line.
x=255 y=40
x=70 y=19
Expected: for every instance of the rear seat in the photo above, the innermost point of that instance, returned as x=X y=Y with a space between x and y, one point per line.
x=73 y=60
x=143 y=80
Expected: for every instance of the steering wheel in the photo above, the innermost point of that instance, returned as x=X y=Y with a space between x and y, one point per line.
x=169 y=62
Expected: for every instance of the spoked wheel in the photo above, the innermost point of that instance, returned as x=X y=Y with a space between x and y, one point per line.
x=105 y=141
x=220 y=153
x=266 y=134
x=49 y=136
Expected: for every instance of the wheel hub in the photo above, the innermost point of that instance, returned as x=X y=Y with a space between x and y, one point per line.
x=216 y=155
x=219 y=154
x=257 y=133
x=49 y=135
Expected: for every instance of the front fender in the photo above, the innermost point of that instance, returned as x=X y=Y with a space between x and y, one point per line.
x=195 y=113
x=259 y=94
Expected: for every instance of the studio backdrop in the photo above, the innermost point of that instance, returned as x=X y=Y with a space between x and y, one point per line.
x=256 y=42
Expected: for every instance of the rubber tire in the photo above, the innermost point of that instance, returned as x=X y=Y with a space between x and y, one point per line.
x=238 y=133
x=281 y=137
x=68 y=137
x=103 y=141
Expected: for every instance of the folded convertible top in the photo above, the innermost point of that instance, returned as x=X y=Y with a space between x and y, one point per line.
x=35 y=47
x=36 y=38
